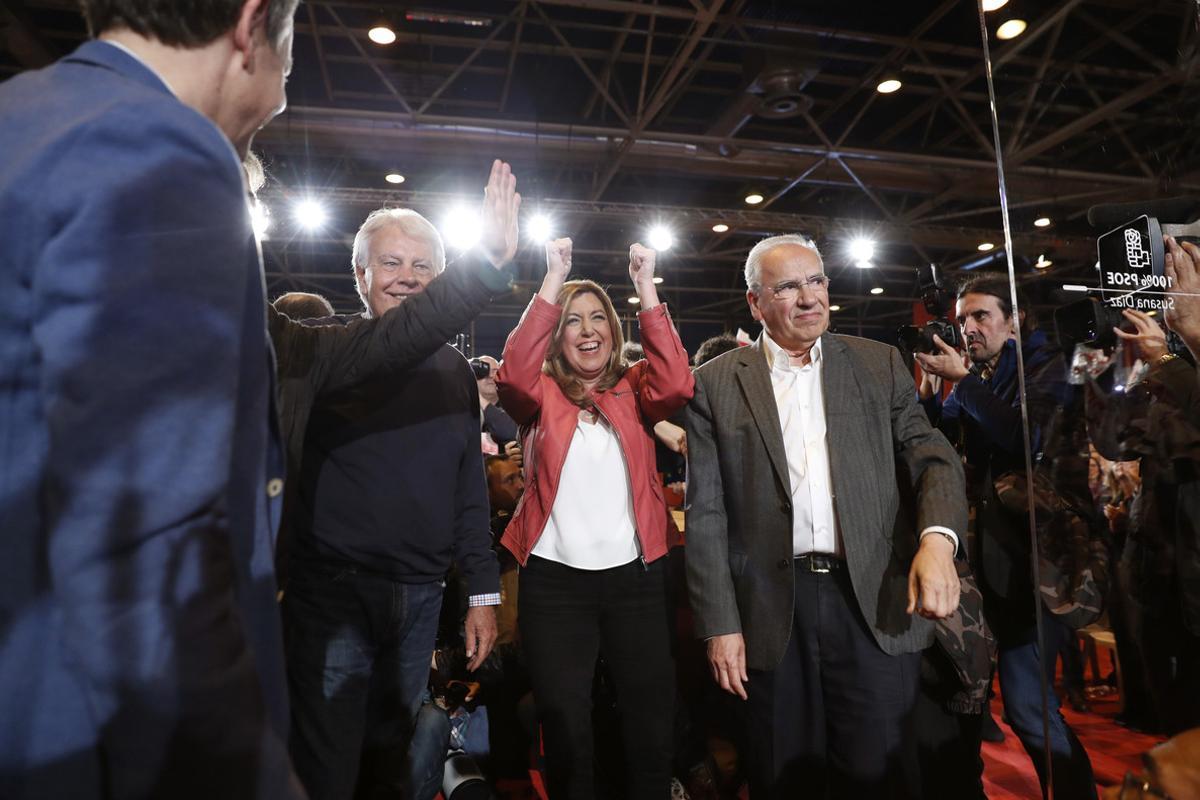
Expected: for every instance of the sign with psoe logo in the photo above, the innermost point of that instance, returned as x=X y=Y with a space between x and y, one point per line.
x=1131 y=261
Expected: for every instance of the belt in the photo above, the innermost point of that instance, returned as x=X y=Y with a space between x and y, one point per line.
x=819 y=562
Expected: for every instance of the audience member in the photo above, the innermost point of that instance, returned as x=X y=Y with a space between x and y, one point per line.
x=806 y=571
x=712 y=347
x=140 y=651
x=591 y=529
x=984 y=413
x=498 y=426
x=391 y=489
x=303 y=305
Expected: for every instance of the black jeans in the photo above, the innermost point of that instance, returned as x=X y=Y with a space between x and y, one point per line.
x=568 y=617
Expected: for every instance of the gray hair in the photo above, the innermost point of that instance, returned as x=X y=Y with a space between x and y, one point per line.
x=410 y=223
x=754 y=260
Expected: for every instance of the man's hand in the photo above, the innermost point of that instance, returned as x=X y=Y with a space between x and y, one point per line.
x=498 y=221
x=949 y=364
x=1147 y=340
x=641 y=264
x=512 y=451
x=558 y=258
x=480 y=635
x=930 y=385
x=727 y=660
x=1183 y=270
x=933 y=586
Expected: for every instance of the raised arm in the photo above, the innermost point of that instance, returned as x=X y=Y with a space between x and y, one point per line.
x=665 y=383
x=519 y=379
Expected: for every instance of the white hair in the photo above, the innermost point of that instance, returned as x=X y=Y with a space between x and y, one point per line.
x=410 y=223
x=754 y=260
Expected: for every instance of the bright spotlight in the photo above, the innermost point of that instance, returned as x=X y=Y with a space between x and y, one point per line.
x=985 y=246
x=260 y=218
x=660 y=238
x=658 y=279
x=394 y=177
x=835 y=307
x=888 y=86
x=310 y=215
x=1043 y=262
x=753 y=199
x=460 y=228
x=994 y=5
x=720 y=227
x=381 y=34
x=1042 y=222
x=1011 y=29
x=861 y=249
x=541 y=230
x=633 y=300
x=877 y=290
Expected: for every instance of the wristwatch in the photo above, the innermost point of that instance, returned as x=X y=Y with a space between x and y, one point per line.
x=1163 y=359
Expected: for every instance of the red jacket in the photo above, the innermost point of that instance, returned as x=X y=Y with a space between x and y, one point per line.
x=648 y=392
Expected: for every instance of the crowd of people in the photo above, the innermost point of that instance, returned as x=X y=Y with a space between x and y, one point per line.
x=265 y=550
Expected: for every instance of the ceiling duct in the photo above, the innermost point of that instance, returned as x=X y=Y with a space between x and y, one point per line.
x=773 y=89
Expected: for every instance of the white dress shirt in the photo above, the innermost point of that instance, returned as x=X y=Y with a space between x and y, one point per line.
x=591 y=524
x=800 y=401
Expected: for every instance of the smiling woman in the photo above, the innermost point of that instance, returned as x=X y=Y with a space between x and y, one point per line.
x=591 y=528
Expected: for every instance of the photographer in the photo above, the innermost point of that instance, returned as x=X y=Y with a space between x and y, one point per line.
x=983 y=414
x=495 y=421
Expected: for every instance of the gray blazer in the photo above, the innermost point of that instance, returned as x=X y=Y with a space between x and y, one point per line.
x=893 y=475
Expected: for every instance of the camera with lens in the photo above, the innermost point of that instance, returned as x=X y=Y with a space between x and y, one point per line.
x=938 y=302
x=480 y=368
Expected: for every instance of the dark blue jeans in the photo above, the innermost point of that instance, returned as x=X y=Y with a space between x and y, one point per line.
x=358 y=653
x=1020 y=669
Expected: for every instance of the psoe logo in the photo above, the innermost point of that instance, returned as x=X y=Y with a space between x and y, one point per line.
x=1137 y=255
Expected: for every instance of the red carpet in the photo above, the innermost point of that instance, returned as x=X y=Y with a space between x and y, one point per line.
x=1008 y=773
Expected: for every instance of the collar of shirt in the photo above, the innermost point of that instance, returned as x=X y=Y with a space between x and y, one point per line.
x=142 y=61
x=779 y=361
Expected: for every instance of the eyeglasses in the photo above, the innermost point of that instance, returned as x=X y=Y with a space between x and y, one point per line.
x=790 y=290
x=1135 y=787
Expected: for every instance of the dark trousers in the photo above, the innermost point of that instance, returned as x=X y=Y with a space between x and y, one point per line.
x=1020 y=664
x=568 y=617
x=949 y=742
x=836 y=715
x=358 y=652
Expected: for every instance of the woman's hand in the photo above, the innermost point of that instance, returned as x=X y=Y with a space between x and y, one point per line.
x=558 y=267
x=641 y=272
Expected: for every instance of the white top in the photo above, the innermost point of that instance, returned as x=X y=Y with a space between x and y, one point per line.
x=591 y=525
x=800 y=401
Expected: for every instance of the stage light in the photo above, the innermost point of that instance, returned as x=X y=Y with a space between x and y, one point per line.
x=753 y=199
x=877 y=290
x=310 y=215
x=1043 y=262
x=835 y=307
x=660 y=238
x=260 y=218
x=381 y=34
x=460 y=228
x=994 y=5
x=633 y=300
x=985 y=246
x=860 y=250
x=1011 y=29
x=658 y=279
x=888 y=86
x=541 y=230
x=720 y=227
x=1042 y=222
x=394 y=177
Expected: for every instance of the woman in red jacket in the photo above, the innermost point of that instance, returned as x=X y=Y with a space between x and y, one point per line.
x=590 y=531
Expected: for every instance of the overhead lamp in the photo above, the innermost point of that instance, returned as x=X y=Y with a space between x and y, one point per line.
x=720 y=227
x=658 y=278
x=994 y=5
x=1011 y=29
x=381 y=34
x=660 y=238
x=888 y=86
x=835 y=307
x=877 y=290
x=541 y=229
x=1041 y=222
x=309 y=214
x=260 y=218
x=753 y=199
x=633 y=301
x=1042 y=262
x=394 y=177
x=461 y=228
x=861 y=250
x=985 y=246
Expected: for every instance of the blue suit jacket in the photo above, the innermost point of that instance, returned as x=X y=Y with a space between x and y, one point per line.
x=140 y=646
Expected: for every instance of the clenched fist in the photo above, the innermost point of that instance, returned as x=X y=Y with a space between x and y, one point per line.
x=641 y=264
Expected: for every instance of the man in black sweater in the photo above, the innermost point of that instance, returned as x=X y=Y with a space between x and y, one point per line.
x=391 y=490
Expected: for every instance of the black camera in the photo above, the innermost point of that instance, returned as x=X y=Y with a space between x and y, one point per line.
x=480 y=368
x=1088 y=322
x=938 y=302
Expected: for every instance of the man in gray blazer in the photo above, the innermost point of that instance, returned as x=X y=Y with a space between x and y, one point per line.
x=811 y=471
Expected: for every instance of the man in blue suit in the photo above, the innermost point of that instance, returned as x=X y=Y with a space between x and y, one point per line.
x=140 y=469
